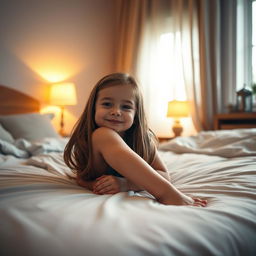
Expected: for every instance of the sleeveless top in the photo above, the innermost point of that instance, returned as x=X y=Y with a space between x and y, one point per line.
x=113 y=172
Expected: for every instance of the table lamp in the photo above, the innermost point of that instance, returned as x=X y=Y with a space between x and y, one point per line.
x=177 y=109
x=63 y=94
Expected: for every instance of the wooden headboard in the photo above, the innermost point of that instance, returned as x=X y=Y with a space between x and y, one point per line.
x=15 y=102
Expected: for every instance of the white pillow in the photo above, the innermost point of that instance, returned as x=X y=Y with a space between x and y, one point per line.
x=32 y=126
x=5 y=135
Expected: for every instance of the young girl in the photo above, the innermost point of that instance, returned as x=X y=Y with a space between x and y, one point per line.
x=112 y=149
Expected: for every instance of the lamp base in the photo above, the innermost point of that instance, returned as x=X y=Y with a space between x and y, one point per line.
x=61 y=131
x=177 y=128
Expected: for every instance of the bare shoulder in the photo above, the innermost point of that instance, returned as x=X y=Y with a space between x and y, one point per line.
x=107 y=140
x=104 y=134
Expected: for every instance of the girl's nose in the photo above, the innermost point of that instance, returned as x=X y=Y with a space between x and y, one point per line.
x=115 y=112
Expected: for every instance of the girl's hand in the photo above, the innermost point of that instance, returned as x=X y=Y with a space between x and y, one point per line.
x=109 y=184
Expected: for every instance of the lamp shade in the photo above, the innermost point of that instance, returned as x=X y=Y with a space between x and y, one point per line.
x=177 y=109
x=63 y=94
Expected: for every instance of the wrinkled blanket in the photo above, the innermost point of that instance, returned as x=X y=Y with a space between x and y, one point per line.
x=224 y=143
x=23 y=148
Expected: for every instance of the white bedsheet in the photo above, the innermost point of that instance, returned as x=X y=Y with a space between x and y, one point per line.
x=44 y=212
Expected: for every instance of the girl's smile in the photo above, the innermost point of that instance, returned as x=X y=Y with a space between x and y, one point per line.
x=115 y=108
x=113 y=121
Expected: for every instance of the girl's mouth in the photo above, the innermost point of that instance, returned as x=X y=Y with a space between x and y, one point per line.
x=113 y=121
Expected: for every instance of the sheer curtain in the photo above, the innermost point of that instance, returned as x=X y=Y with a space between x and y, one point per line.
x=165 y=66
x=180 y=50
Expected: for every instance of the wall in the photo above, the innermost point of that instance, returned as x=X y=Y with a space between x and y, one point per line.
x=48 y=41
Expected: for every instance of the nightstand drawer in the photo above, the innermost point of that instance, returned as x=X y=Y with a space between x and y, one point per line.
x=235 y=121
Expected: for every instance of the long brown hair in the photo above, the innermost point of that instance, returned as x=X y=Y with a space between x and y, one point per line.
x=78 y=151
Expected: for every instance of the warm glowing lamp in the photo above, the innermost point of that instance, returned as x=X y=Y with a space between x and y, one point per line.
x=177 y=109
x=63 y=94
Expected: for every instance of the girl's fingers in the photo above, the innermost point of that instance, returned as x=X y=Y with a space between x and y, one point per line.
x=100 y=187
x=100 y=182
x=105 y=184
x=199 y=202
x=106 y=190
x=106 y=179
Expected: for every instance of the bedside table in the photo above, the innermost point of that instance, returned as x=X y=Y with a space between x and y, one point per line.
x=235 y=120
x=164 y=139
x=64 y=135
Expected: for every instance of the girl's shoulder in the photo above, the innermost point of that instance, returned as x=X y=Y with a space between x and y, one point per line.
x=105 y=134
x=106 y=140
x=102 y=131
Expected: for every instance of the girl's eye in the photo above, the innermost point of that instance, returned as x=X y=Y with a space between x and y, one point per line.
x=127 y=107
x=106 y=104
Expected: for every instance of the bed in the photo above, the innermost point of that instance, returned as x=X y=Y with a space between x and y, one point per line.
x=44 y=212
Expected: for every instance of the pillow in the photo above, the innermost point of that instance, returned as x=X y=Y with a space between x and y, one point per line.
x=5 y=135
x=32 y=126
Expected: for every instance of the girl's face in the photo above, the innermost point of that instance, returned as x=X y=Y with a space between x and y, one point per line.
x=115 y=108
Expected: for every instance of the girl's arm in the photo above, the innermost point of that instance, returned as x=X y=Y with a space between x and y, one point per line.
x=158 y=166
x=124 y=160
x=116 y=184
x=123 y=184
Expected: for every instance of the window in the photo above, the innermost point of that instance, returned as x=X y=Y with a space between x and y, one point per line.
x=162 y=78
x=168 y=66
x=254 y=42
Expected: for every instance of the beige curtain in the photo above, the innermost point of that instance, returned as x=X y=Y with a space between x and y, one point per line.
x=130 y=32
x=205 y=41
x=217 y=36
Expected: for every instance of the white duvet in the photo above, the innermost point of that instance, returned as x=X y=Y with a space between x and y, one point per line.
x=44 y=212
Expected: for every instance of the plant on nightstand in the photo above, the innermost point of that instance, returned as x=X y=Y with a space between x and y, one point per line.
x=254 y=88
x=254 y=96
